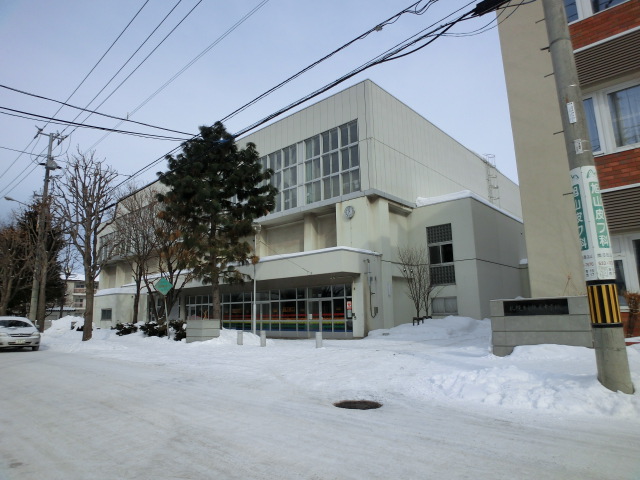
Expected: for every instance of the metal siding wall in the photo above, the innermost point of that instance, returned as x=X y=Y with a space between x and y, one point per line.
x=414 y=158
x=336 y=110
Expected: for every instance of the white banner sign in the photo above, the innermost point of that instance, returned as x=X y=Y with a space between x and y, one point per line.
x=592 y=225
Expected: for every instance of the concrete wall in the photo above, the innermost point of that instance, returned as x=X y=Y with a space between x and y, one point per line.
x=555 y=264
x=509 y=332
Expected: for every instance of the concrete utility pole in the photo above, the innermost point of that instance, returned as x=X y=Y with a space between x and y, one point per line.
x=40 y=267
x=608 y=335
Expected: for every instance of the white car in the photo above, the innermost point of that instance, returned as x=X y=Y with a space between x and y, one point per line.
x=18 y=332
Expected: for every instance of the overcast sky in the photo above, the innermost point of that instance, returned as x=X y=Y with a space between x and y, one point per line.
x=47 y=48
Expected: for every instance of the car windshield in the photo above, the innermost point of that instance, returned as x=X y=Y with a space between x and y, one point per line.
x=13 y=323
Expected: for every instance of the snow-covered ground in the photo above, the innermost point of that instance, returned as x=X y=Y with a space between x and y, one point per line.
x=138 y=407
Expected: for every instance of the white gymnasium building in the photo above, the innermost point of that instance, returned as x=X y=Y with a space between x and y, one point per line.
x=359 y=175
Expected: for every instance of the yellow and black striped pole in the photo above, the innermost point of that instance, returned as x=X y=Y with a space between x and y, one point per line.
x=603 y=303
x=595 y=244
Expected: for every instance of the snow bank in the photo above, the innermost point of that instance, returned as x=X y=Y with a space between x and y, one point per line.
x=442 y=360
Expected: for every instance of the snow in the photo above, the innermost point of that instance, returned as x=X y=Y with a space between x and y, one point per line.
x=449 y=197
x=541 y=409
x=445 y=359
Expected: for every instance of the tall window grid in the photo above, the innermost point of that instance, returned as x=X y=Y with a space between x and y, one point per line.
x=440 y=243
x=329 y=164
x=332 y=163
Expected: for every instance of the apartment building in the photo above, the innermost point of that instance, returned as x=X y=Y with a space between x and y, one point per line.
x=359 y=175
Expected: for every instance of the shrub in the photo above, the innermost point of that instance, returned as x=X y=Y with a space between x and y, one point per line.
x=179 y=328
x=153 y=329
x=126 y=328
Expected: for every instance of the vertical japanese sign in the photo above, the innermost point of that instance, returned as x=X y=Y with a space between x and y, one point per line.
x=592 y=225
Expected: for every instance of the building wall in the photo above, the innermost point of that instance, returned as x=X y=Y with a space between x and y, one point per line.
x=553 y=251
x=402 y=156
x=605 y=24
x=607 y=52
x=410 y=157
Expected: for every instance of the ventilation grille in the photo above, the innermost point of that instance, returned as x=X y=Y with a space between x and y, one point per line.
x=609 y=59
x=621 y=207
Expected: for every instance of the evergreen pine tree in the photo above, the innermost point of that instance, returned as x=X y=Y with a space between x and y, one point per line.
x=215 y=193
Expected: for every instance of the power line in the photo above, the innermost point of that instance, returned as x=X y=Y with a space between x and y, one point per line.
x=21 y=151
x=376 y=28
x=55 y=121
x=188 y=65
x=92 y=111
x=77 y=125
x=388 y=55
x=413 y=8
x=6 y=189
x=129 y=59
x=147 y=57
x=82 y=82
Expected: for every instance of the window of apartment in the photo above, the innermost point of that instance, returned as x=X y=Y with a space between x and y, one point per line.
x=613 y=118
x=577 y=9
x=105 y=314
x=624 y=107
x=440 y=243
x=444 y=306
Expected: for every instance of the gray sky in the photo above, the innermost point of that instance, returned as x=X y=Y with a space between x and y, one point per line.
x=47 y=48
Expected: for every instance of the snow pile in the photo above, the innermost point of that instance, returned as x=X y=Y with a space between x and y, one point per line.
x=446 y=360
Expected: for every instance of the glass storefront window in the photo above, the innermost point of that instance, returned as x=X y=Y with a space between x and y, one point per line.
x=287 y=310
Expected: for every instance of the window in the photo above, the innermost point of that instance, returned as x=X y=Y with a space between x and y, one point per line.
x=105 y=314
x=290 y=178
x=578 y=9
x=613 y=118
x=289 y=309
x=332 y=163
x=571 y=9
x=329 y=166
x=625 y=115
x=592 y=125
x=275 y=163
x=444 y=306
x=439 y=240
x=284 y=164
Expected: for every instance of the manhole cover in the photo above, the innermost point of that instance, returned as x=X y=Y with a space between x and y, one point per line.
x=358 y=404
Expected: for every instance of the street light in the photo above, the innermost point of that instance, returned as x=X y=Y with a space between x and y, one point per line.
x=11 y=199
x=256 y=230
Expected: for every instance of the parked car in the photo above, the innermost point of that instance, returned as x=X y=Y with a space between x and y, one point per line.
x=18 y=332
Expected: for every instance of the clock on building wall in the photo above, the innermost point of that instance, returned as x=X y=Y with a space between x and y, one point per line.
x=349 y=212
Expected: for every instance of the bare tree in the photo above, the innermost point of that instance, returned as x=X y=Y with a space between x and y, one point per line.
x=68 y=262
x=174 y=259
x=134 y=234
x=15 y=263
x=415 y=268
x=82 y=200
